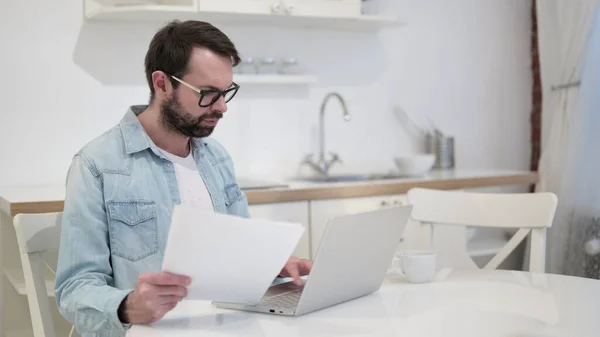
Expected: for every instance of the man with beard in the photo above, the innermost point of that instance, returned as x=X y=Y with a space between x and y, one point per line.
x=121 y=186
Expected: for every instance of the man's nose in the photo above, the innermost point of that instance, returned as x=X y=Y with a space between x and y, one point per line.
x=220 y=105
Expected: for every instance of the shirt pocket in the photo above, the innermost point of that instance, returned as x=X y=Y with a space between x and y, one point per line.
x=133 y=228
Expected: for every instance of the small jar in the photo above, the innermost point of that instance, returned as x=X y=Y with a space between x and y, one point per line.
x=268 y=65
x=289 y=65
x=247 y=66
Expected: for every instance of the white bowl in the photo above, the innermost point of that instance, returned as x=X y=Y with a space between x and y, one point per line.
x=415 y=165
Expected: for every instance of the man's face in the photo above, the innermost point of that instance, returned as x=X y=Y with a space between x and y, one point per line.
x=181 y=111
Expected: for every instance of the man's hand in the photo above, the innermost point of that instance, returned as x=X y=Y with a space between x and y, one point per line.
x=154 y=295
x=295 y=268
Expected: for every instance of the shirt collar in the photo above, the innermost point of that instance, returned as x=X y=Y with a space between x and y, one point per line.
x=135 y=137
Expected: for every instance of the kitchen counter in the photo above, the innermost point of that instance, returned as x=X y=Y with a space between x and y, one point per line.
x=39 y=199
x=442 y=179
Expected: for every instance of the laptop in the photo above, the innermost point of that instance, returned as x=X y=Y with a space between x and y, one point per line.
x=352 y=261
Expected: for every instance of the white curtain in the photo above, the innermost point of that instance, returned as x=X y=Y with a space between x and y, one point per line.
x=569 y=42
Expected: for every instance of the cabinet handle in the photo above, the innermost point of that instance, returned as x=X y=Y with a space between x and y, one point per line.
x=384 y=203
x=397 y=203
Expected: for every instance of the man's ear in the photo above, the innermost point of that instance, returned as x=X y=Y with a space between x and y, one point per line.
x=161 y=83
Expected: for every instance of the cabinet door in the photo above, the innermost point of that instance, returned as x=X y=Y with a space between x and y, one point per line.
x=321 y=211
x=241 y=6
x=288 y=211
x=330 y=8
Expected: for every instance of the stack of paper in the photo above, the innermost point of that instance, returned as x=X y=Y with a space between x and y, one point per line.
x=230 y=259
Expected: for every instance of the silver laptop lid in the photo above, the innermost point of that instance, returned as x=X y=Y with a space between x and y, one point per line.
x=353 y=257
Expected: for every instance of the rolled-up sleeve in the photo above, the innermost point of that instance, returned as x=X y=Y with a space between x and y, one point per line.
x=240 y=206
x=84 y=278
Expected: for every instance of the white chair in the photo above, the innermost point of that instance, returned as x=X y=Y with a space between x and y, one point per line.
x=530 y=213
x=38 y=234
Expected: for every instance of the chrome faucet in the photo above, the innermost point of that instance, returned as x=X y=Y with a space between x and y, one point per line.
x=323 y=165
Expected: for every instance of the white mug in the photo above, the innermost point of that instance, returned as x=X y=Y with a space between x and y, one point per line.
x=416 y=266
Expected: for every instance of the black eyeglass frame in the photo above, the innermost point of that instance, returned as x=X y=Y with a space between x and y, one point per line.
x=235 y=87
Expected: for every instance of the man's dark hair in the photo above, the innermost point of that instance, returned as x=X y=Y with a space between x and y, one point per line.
x=171 y=47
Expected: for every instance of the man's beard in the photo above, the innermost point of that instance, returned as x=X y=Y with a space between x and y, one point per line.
x=175 y=119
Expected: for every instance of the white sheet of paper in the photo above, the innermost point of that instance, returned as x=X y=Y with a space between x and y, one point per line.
x=230 y=259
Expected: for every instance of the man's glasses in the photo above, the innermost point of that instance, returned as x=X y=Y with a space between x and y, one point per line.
x=209 y=97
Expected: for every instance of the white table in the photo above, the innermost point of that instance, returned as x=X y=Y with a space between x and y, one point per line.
x=458 y=303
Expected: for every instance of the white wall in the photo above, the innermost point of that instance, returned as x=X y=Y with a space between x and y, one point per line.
x=464 y=63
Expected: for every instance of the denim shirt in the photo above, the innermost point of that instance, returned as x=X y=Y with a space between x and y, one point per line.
x=120 y=192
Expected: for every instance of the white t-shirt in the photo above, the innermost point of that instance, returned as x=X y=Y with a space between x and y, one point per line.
x=192 y=189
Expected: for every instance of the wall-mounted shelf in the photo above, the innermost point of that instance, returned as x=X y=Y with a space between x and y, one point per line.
x=268 y=79
x=164 y=13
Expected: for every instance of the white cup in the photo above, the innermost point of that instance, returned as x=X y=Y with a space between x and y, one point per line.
x=416 y=266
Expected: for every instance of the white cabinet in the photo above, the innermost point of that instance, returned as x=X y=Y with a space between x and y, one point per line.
x=329 y=8
x=313 y=8
x=339 y=15
x=240 y=6
x=287 y=211
x=323 y=210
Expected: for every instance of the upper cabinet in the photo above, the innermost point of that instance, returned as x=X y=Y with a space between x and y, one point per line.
x=240 y=6
x=327 y=8
x=324 y=8
x=308 y=14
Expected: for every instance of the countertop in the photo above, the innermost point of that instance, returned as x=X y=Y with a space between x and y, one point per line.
x=458 y=303
x=49 y=198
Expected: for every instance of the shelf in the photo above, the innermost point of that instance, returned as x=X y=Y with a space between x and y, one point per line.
x=273 y=79
x=16 y=279
x=163 y=13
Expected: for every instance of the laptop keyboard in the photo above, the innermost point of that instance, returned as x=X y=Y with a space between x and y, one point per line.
x=287 y=300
